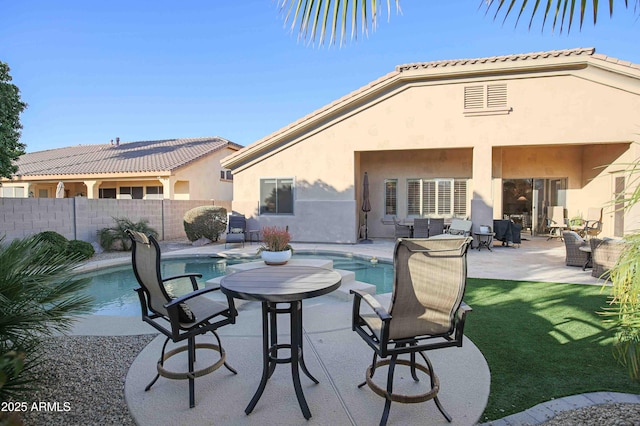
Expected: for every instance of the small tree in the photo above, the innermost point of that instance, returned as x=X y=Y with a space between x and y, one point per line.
x=10 y=109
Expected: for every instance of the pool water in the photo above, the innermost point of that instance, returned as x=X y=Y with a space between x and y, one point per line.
x=113 y=287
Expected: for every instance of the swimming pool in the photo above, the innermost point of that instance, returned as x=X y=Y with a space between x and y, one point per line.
x=113 y=287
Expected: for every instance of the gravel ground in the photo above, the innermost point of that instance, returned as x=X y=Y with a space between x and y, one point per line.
x=84 y=381
x=88 y=373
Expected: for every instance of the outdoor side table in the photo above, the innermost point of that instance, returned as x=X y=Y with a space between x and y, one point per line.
x=485 y=239
x=273 y=285
x=586 y=249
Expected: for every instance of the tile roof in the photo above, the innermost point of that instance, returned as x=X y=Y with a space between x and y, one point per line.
x=145 y=156
x=589 y=51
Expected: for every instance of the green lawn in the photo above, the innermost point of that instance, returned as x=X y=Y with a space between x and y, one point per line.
x=542 y=341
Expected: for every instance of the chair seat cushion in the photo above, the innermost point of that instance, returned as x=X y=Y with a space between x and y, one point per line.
x=204 y=309
x=426 y=327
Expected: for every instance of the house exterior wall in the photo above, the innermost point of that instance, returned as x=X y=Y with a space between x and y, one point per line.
x=559 y=123
x=203 y=176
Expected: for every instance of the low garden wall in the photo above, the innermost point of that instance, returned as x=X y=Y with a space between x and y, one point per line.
x=80 y=218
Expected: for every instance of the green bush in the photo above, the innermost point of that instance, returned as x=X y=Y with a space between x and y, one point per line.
x=115 y=238
x=82 y=249
x=55 y=242
x=205 y=221
x=40 y=298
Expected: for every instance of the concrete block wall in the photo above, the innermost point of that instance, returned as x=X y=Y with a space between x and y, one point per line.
x=22 y=217
x=81 y=218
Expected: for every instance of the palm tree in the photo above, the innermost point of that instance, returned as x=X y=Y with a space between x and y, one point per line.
x=319 y=19
x=38 y=298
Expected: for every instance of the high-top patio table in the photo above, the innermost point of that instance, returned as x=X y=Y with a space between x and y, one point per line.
x=273 y=285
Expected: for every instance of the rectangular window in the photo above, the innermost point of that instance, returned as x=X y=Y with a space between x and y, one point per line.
x=460 y=198
x=13 y=192
x=131 y=192
x=107 y=193
x=226 y=175
x=391 y=197
x=155 y=192
x=276 y=196
x=437 y=197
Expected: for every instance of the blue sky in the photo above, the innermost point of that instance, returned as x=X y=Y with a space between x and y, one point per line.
x=145 y=70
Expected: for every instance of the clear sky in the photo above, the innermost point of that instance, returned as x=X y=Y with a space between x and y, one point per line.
x=92 y=71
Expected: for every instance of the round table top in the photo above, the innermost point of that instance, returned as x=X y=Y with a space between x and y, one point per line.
x=283 y=283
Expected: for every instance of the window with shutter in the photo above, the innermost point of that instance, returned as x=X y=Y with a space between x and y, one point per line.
x=391 y=197
x=437 y=197
x=444 y=197
x=460 y=198
x=413 y=197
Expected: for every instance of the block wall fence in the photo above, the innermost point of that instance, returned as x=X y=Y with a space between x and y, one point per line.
x=80 y=218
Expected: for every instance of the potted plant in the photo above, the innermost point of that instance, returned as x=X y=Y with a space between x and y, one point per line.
x=275 y=248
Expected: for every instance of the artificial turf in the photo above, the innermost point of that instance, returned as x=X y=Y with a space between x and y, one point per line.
x=542 y=341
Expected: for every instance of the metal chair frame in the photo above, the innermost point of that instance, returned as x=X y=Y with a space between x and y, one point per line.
x=384 y=346
x=177 y=331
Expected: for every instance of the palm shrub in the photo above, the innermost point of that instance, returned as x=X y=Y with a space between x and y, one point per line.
x=205 y=222
x=39 y=297
x=116 y=238
x=624 y=304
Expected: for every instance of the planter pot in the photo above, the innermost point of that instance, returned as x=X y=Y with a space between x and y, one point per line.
x=276 y=257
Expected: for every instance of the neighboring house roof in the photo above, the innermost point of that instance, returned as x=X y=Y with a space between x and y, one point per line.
x=132 y=157
x=495 y=65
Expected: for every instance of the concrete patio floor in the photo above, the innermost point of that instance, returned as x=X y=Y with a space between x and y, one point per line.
x=335 y=355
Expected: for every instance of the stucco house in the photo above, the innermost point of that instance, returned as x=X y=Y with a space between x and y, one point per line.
x=480 y=138
x=174 y=169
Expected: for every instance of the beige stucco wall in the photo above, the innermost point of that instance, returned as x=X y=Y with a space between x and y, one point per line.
x=204 y=180
x=568 y=121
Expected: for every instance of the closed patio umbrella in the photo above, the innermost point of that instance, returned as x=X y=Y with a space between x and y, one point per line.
x=60 y=190
x=366 y=206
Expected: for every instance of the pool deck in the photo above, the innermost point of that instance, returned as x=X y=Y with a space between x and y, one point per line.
x=336 y=355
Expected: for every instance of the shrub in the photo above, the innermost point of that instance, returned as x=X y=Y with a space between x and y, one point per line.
x=82 y=249
x=115 y=238
x=54 y=242
x=275 y=239
x=40 y=298
x=205 y=222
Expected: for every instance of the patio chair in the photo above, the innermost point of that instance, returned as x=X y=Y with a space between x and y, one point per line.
x=575 y=256
x=604 y=255
x=557 y=222
x=421 y=228
x=178 y=318
x=593 y=222
x=458 y=227
x=426 y=313
x=237 y=230
x=401 y=231
x=436 y=226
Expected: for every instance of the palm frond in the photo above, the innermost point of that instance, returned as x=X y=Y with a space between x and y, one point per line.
x=318 y=19
x=563 y=11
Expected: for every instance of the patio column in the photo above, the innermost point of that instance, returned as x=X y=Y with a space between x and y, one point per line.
x=482 y=199
x=92 y=188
